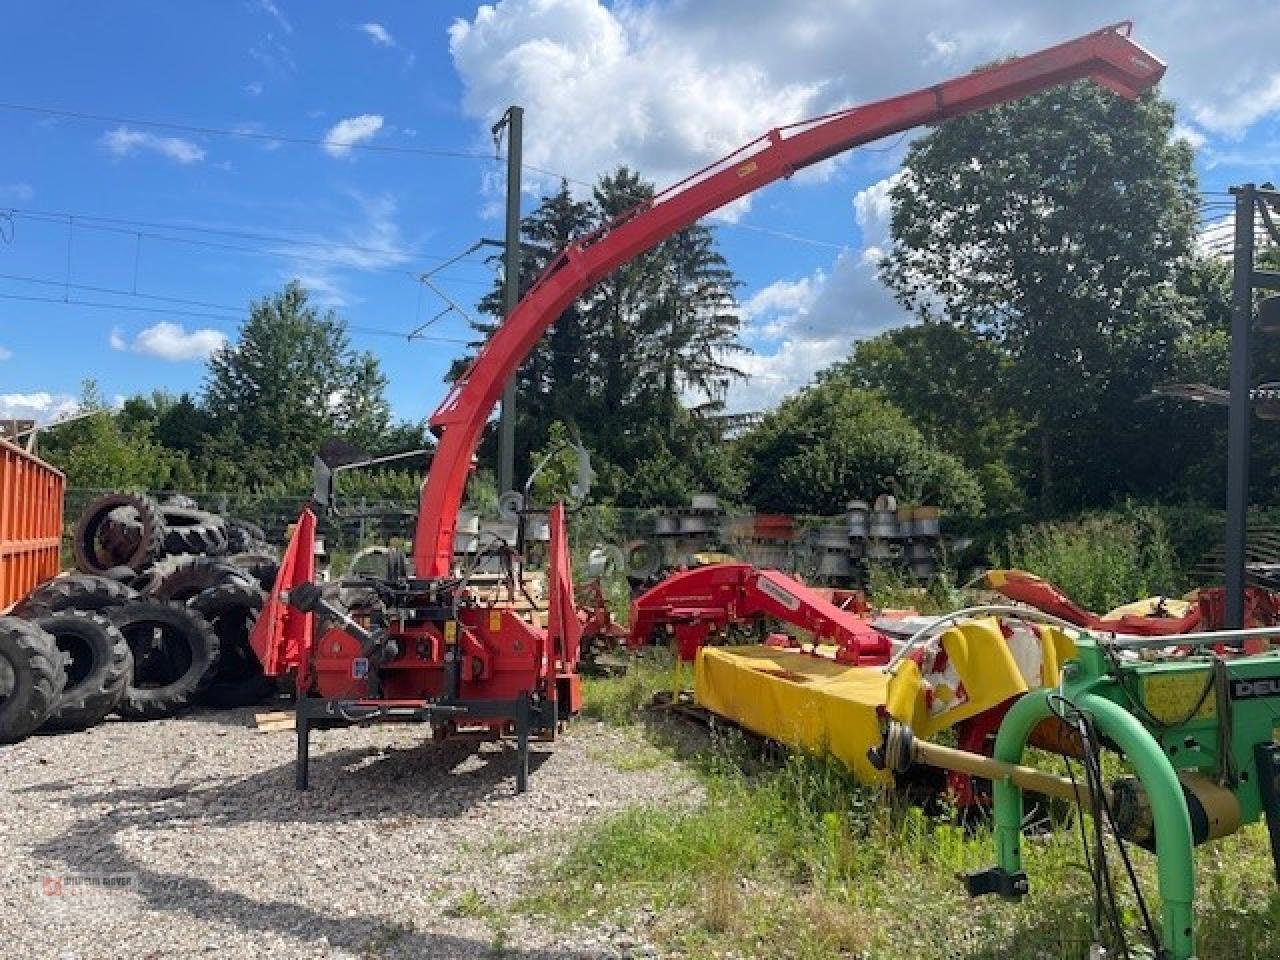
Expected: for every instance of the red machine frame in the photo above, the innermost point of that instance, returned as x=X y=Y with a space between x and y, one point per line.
x=698 y=605
x=445 y=657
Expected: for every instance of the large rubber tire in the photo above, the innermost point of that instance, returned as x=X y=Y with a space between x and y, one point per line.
x=232 y=610
x=89 y=542
x=98 y=666
x=79 y=591
x=31 y=678
x=121 y=532
x=181 y=500
x=243 y=536
x=194 y=531
x=182 y=578
x=263 y=567
x=175 y=655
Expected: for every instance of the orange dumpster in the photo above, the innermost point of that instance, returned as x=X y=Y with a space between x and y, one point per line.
x=30 y=522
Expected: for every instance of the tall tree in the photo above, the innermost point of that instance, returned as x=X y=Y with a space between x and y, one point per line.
x=288 y=381
x=1044 y=225
x=623 y=360
x=543 y=395
x=952 y=384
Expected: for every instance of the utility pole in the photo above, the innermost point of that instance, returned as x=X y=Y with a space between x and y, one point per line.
x=513 y=121
x=1238 y=410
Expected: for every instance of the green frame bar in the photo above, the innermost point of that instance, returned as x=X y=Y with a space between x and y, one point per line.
x=1175 y=859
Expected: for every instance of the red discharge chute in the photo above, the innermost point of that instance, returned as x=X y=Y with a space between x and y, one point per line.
x=1106 y=56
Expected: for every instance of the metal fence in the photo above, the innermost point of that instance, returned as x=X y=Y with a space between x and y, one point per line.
x=640 y=543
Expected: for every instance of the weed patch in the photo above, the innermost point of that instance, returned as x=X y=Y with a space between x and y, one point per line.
x=1102 y=560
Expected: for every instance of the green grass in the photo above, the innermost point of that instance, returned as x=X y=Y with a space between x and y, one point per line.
x=618 y=700
x=469 y=904
x=794 y=860
x=631 y=756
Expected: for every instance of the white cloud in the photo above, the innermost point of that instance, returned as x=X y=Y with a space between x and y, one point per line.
x=941 y=49
x=171 y=341
x=771 y=309
x=123 y=142
x=1232 y=118
x=373 y=243
x=253 y=88
x=603 y=87
x=1183 y=131
x=802 y=325
x=668 y=86
x=774 y=376
x=40 y=406
x=325 y=288
x=379 y=34
x=17 y=191
x=273 y=11
x=350 y=131
x=5 y=353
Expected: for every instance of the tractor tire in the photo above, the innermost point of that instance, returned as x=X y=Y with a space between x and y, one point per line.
x=244 y=537
x=232 y=609
x=90 y=540
x=181 y=500
x=78 y=591
x=175 y=655
x=194 y=531
x=31 y=678
x=262 y=566
x=121 y=532
x=98 y=666
x=187 y=576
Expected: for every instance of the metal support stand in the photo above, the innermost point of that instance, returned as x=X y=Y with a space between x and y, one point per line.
x=302 y=765
x=519 y=714
x=522 y=743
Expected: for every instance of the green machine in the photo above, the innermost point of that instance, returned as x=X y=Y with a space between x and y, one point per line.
x=1197 y=725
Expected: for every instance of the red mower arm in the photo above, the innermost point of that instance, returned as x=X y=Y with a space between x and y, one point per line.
x=1108 y=56
x=706 y=600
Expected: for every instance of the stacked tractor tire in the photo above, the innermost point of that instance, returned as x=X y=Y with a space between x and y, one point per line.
x=155 y=619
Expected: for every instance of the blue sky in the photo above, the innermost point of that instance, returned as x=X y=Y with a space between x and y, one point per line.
x=131 y=249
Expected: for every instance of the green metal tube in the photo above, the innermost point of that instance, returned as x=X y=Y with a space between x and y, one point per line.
x=1175 y=859
x=1011 y=740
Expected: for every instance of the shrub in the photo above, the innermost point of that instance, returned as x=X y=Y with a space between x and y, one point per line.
x=831 y=442
x=1101 y=560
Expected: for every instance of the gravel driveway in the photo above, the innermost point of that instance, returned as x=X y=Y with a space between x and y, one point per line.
x=185 y=838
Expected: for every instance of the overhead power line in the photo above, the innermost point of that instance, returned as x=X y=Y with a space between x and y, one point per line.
x=236 y=232
x=441 y=152
x=107 y=225
x=195 y=314
x=261 y=136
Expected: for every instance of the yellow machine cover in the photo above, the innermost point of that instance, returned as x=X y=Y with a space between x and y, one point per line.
x=809 y=702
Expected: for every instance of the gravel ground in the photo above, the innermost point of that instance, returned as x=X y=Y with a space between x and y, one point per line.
x=185 y=838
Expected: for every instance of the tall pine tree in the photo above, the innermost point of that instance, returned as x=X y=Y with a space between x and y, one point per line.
x=625 y=361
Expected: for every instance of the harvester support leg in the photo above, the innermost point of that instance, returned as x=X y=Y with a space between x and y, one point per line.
x=1174 y=856
x=302 y=724
x=522 y=743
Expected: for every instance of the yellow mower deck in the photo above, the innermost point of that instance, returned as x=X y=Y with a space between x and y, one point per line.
x=809 y=702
